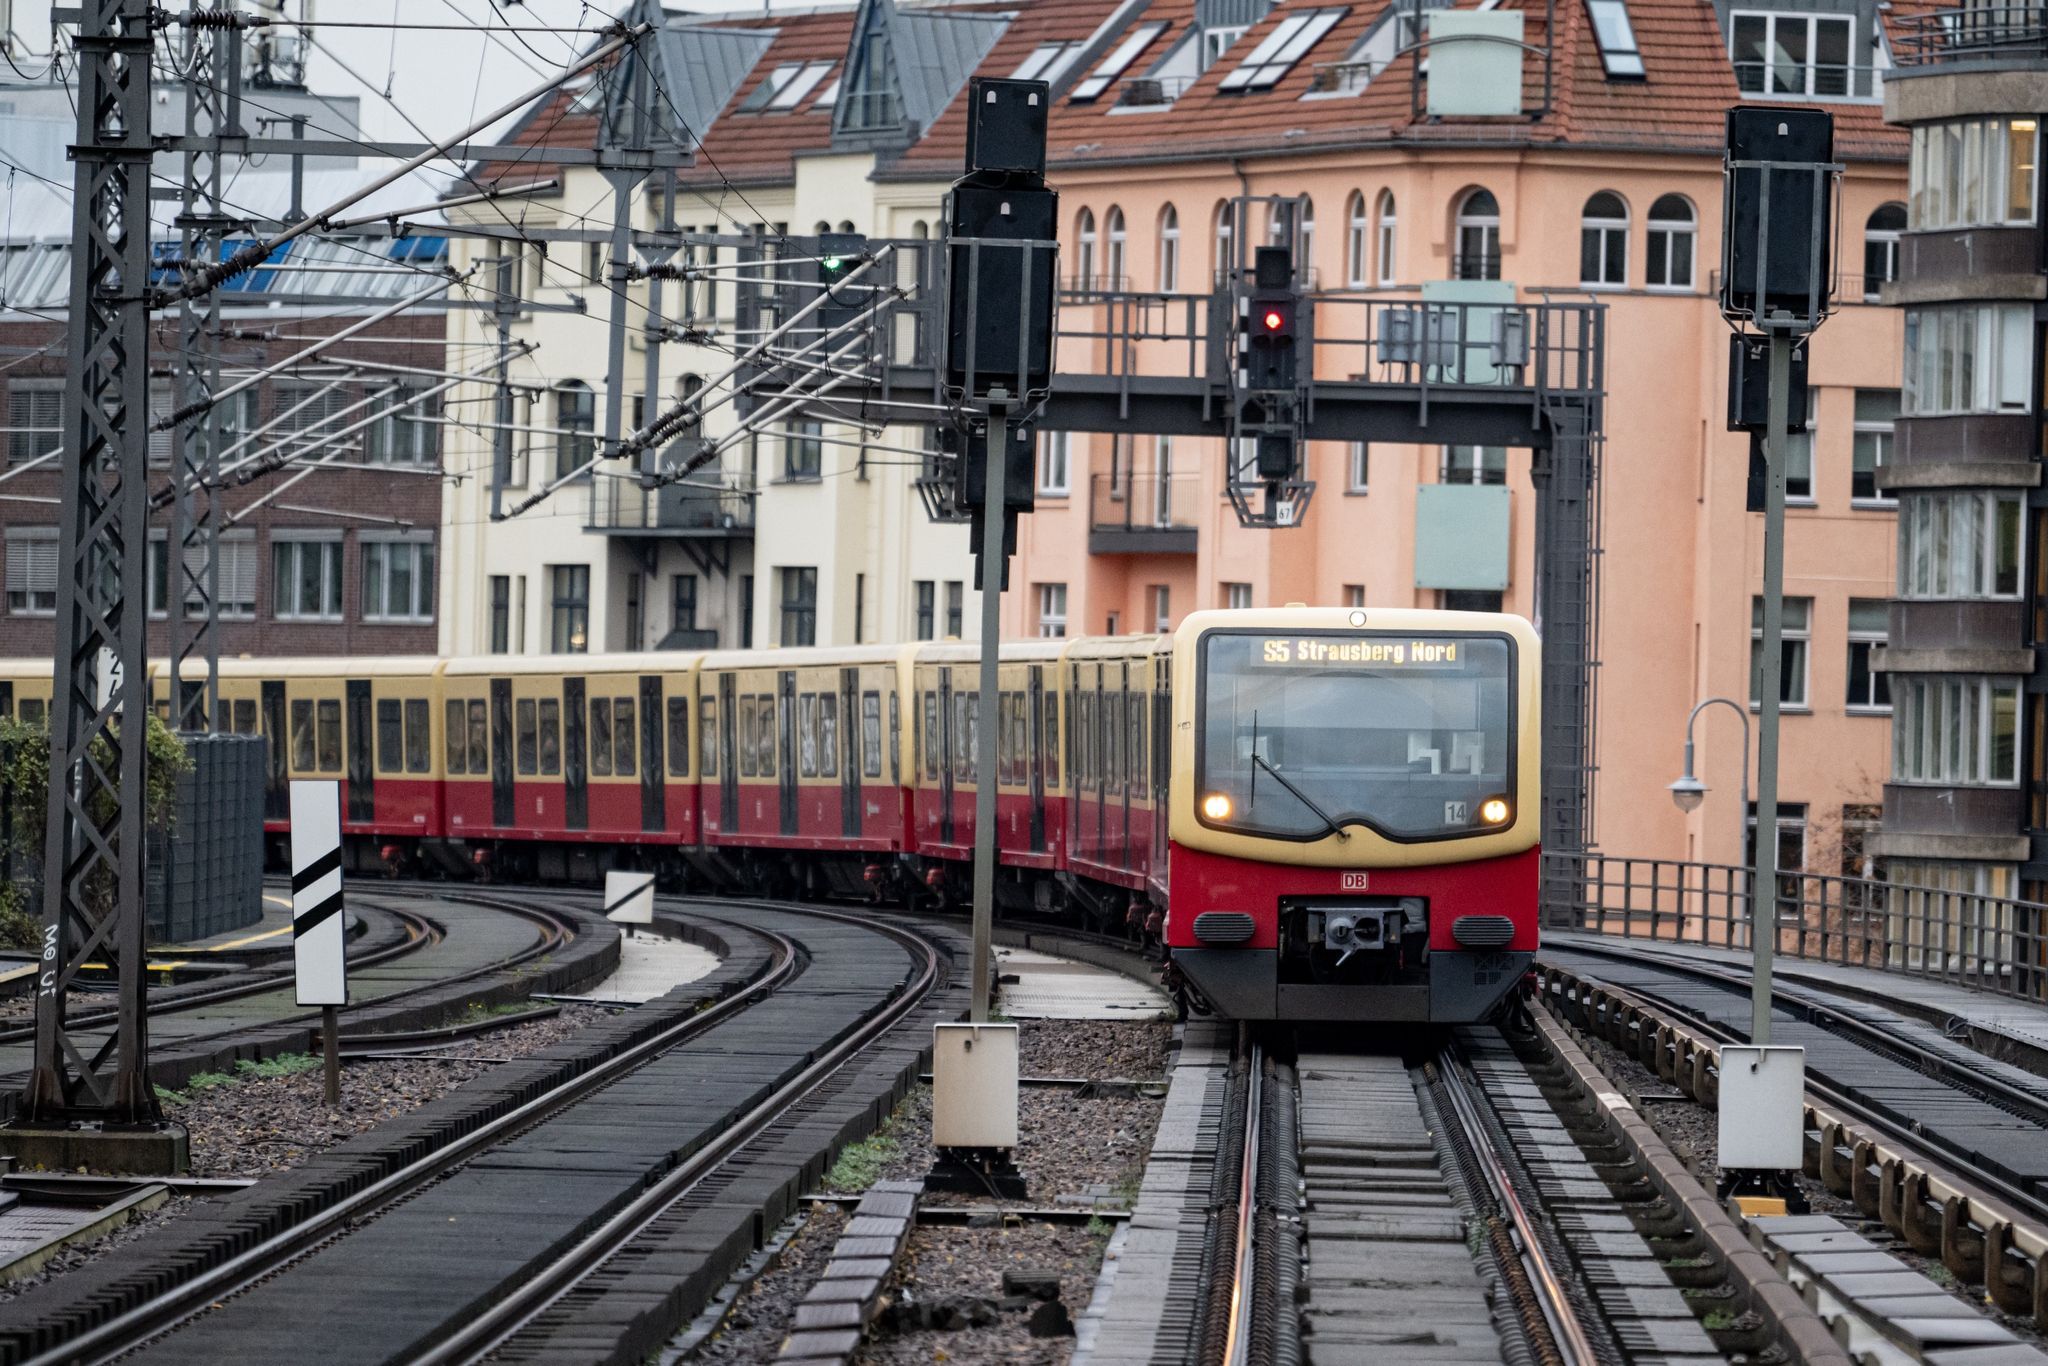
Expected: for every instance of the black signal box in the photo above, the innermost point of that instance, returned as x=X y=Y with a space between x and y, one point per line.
x=1749 y=384
x=1781 y=265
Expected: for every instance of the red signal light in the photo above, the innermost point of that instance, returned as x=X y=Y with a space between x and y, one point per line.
x=1273 y=320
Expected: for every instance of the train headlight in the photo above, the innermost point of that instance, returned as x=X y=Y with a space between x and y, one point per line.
x=1216 y=807
x=1494 y=811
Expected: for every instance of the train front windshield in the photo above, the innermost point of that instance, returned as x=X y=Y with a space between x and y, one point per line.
x=1303 y=733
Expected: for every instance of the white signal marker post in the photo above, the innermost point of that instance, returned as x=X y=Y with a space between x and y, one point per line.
x=319 y=933
x=629 y=899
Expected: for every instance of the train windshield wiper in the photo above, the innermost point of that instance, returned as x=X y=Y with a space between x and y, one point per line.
x=1330 y=826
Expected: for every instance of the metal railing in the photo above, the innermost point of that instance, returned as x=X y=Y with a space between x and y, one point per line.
x=1986 y=942
x=691 y=507
x=1973 y=31
x=1143 y=502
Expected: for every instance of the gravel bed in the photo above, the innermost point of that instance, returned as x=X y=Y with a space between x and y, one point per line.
x=1134 y=1050
x=765 y=1311
x=959 y=1272
x=1693 y=1131
x=258 y=1125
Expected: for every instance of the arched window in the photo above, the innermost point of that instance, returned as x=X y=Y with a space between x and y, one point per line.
x=921 y=230
x=576 y=419
x=1226 y=235
x=1881 y=247
x=1603 y=241
x=1305 y=238
x=1169 y=250
x=1356 y=236
x=846 y=225
x=823 y=226
x=1113 y=237
x=1386 y=242
x=1084 y=260
x=1478 y=256
x=1672 y=233
x=688 y=388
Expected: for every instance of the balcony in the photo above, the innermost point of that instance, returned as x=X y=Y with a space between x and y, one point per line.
x=1142 y=514
x=1974 y=33
x=708 y=509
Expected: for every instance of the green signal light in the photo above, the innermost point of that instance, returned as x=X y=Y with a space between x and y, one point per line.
x=832 y=263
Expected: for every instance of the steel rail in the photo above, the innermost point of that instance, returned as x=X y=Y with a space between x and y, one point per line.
x=1558 y=1309
x=1238 y=1335
x=167 y=1312
x=490 y=1328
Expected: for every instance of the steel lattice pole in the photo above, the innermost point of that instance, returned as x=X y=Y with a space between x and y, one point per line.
x=93 y=868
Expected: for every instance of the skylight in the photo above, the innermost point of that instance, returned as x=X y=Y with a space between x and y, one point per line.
x=1116 y=62
x=1617 y=39
x=1047 y=61
x=786 y=86
x=1282 y=48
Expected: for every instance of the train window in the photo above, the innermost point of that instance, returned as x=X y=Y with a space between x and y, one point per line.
x=895 y=738
x=1109 y=734
x=528 y=725
x=419 y=746
x=749 y=716
x=625 y=746
x=33 y=710
x=766 y=731
x=327 y=727
x=302 y=734
x=828 y=734
x=1006 y=754
x=457 y=737
x=1020 y=738
x=479 y=737
x=807 y=735
x=707 y=720
x=1052 y=738
x=245 y=716
x=390 y=735
x=679 y=737
x=550 y=736
x=931 y=737
x=966 y=734
x=871 y=734
x=601 y=736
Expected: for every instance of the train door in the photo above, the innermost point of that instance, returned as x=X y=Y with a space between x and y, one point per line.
x=362 y=768
x=575 y=757
x=785 y=745
x=1162 y=758
x=728 y=755
x=1034 y=745
x=653 y=767
x=501 y=752
x=850 y=723
x=1128 y=721
x=945 y=756
x=1106 y=755
x=277 y=786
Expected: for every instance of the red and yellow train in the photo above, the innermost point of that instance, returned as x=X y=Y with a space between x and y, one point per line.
x=1322 y=813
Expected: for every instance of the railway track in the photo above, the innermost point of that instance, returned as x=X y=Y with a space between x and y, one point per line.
x=514 y=1231
x=1901 y=1077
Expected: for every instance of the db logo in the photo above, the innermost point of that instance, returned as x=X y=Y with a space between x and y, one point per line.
x=1354 y=882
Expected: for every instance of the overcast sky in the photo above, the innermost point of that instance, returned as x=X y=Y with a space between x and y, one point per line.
x=440 y=79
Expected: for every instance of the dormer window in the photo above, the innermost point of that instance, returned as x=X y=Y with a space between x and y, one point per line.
x=1620 y=58
x=1801 y=55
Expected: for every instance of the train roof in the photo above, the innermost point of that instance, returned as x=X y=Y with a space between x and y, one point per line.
x=1013 y=651
x=328 y=666
x=807 y=656
x=615 y=662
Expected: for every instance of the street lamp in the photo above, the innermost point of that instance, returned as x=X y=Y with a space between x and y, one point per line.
x=1688 y=792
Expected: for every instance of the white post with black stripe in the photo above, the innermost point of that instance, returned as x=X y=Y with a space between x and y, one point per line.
x=629 y=899
x=319 y=931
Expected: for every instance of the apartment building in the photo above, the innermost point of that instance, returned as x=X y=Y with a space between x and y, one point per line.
x=334 y=553
x=1606 y=186
x=1966 y=801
